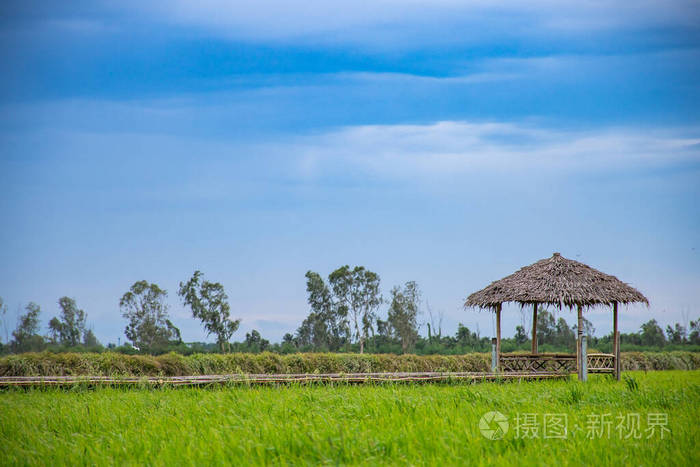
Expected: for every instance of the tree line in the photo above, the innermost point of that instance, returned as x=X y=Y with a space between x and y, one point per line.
x=344 y=316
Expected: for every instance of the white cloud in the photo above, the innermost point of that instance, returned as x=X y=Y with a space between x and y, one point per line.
x=457 y=147
x=432 y=151
x=443 y=21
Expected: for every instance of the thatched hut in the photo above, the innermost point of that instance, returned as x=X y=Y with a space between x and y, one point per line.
x=560 y=282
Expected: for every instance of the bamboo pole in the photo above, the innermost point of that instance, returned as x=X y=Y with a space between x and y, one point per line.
x=534 y=329
x=498 y=336
x=584 y=359
x=271 y=378
x=494 y=357
x=616 y=343
x=579 y=332
x=618 y=362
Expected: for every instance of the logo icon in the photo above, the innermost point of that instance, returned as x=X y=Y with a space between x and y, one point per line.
x=493 y=425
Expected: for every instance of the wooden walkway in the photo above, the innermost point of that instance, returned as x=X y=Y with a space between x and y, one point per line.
x=273 y=379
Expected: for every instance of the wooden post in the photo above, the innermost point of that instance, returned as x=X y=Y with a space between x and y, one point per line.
x=494 y=360
x=579 y=332
x=584 y=360
x=534 y=329
x=498 y=336
x=618 y=362
x=616 y=343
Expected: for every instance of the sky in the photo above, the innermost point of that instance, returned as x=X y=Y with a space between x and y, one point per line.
x=446 y=142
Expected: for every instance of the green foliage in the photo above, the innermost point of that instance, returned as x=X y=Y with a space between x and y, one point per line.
x=520 y=335
x=26 y=337
x=173 y=364
x=403 y=313
x=652 y=334
x=350 y=303
x=676 y=334
x=70 y=328
x=254 y=343
x=209 y=304
x=631 y=383
x=327 y=326
x=148 y=324
x=431 y=424
x=694 y=337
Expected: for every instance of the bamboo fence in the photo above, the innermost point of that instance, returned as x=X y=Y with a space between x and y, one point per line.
x=272 y=378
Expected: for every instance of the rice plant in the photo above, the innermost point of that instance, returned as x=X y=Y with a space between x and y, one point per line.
x=425 y=424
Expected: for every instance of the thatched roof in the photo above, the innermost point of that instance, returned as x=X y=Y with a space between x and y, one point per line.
x=556 y=281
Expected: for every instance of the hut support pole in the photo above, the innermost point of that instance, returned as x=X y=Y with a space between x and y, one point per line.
x=616 y=343
x=579 y=353
x=584 y=359
x=534 y=329
x=498 y=336
x=494 y=359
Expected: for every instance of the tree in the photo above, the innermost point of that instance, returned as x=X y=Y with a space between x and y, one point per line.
x=26 y=337
x=676 y=334
x=694 y=337
x=466 y=338
x=149 y=326
x=546 y=326
x=209 y=304
x=434 y=324
x=364 y=300
x=326 y=327
x=564 y=335
x=520 y=335
x=71 y=327
x=54 y=330
x=384 y=329
x=403 y=313
x=652 y=335
x=90 y=340
x=254 y=342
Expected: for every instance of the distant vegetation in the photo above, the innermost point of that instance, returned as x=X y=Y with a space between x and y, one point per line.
x=344 y=316
x=172 y=364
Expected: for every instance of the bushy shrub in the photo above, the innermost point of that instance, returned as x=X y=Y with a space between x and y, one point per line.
x=172 y=364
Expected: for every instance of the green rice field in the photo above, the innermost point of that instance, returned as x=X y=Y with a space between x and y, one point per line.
x=647 y=419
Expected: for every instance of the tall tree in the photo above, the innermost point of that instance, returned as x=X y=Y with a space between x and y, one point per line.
x=546 y=326
x=564 y=334
x=209 y=304
x=366 y=299
x=652 y=335
x=326 y=327
x=149 y=326
x=676 y=334
x=255 y=343
x=694 y=337
x=520 y=335
x=70 y=328
x=466 y=338
x=353 y=296
x=403 y=314
x=26 y=337
x=90 y=340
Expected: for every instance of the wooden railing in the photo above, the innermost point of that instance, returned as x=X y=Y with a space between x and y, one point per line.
x=538 y=363
x=556 y=363
x=601 y=363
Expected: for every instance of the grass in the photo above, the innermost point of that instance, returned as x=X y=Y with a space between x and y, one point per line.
x=346 y=424
x=172 y=364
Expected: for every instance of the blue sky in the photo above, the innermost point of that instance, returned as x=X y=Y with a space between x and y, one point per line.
x=444 y=142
